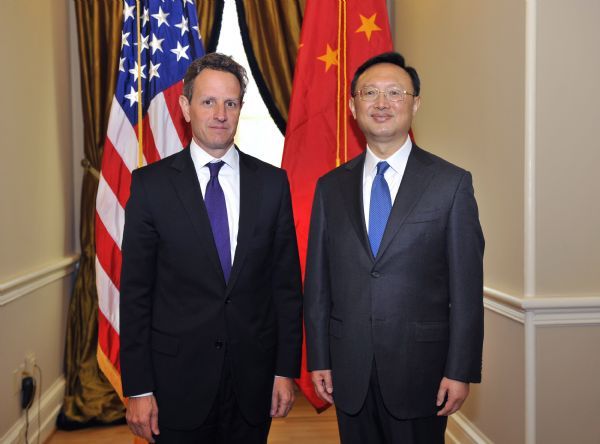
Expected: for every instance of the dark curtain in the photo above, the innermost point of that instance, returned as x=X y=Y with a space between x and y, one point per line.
x=271 y=33
x=89 y=397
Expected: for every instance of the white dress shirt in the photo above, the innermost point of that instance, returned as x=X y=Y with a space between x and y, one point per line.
x=229 y=178
x=393 y=175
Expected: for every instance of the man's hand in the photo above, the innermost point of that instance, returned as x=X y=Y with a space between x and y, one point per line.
x=283 y=397
x=142 y=417
x=456 y=393
x=323 y=384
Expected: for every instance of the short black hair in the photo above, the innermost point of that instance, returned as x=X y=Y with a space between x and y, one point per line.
x=394 y=58
x=217 y=62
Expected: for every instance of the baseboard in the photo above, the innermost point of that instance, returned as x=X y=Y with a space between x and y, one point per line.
x=462 y=431
x=50 y=405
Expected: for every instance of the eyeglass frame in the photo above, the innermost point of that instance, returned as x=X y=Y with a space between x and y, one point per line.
x=385 y=94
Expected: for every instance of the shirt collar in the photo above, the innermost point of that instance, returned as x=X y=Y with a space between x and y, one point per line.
x=201 y=157
x=397 y=161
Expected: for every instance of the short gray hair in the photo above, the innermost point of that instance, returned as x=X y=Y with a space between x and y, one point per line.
x=217 y=62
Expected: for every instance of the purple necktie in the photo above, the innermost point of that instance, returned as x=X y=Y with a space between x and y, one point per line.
x=214 y=199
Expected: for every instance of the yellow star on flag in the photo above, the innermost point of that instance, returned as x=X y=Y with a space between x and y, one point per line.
x=368 y=25
x=330 y=58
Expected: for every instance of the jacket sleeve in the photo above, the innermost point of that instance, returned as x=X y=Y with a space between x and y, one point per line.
x=317 y=296
x=137 y=281
x=287 y=289
x=464 y=250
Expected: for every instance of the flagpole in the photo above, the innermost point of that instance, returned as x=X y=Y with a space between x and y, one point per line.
x=338 y=99
x=345 y=86
x=140 y=125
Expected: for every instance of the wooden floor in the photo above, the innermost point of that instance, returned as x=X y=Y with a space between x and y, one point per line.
x=302 y=426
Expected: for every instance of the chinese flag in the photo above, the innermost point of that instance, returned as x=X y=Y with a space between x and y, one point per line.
x=337 y=37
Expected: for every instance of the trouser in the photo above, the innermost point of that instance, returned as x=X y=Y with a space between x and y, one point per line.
x=225 y=423
x=374 y=424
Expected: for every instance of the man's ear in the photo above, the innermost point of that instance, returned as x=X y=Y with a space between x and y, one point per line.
x=416 y=105
x=352 y=108
x=184 y=103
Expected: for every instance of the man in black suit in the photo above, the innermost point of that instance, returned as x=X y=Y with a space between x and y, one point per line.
x=394 y=280
x=210 y=288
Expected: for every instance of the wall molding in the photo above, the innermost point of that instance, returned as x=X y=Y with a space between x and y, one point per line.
x=534 y=313
x=462 y=431
x=544 y=311
x=28 y=282
x=50 y=406
x=503 y=304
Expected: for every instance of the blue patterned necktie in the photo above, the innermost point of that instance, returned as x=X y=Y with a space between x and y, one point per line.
x=214 y=199
x=380 y=207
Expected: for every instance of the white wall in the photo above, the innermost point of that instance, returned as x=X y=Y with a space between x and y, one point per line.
x=470 y=57
x=568 y=148
x=510 y=91
x=36 y=194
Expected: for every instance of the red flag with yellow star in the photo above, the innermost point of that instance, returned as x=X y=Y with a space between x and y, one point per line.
x=337 y=37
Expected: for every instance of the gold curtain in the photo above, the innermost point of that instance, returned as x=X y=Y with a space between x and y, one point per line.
x=271 y=34
x=89 y=397
x=210 y=13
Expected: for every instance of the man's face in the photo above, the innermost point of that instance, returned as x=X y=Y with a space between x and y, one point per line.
x=385 y=123
x=214 y=110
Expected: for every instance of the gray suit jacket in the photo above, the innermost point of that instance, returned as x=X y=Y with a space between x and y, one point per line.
x=416 y=308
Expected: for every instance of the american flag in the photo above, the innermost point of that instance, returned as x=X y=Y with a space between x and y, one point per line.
x=170 y=41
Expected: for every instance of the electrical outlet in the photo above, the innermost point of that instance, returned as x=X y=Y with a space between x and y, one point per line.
x=17 y=377
x=29 y=362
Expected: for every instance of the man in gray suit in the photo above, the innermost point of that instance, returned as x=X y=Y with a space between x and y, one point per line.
x=394 y=275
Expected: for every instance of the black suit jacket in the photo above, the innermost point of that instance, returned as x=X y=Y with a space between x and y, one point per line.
x=178 y=317
x=416 y=308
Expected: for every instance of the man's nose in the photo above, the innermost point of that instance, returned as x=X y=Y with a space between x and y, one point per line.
x=220 y=112
x=382 y=100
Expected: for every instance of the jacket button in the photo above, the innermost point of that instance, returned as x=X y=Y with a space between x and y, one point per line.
x=375 y=274
x=228 y=300
x=218 y=345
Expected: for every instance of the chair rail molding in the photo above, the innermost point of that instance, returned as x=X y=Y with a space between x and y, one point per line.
x=28 y=282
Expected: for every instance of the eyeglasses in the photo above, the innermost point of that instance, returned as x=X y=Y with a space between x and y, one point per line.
x=370 y=94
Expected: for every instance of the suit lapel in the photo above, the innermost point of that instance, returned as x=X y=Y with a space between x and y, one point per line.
x=351 y=187
x=187 y=187
x=417 y=175
x=250 y=192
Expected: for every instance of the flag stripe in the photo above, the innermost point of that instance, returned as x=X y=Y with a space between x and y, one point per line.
x=122 y=136
x=116 y=174
x=171 y=95
x=164 y=132
x=108 y=305
x=108 y=254
x=110 y=212
x=108 y=340
x=162 y=126
x=150 y=150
